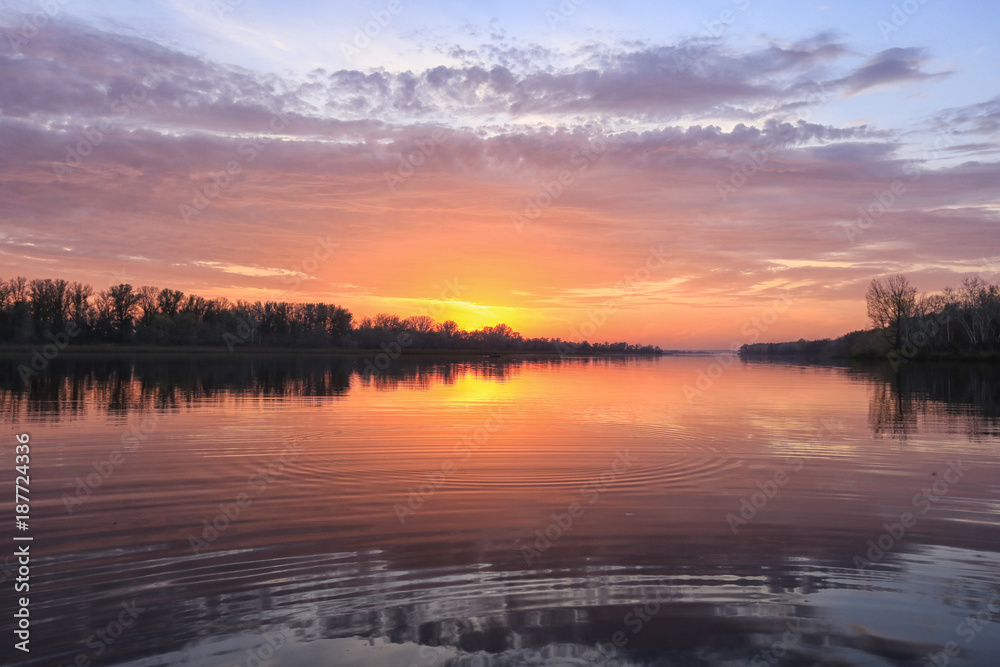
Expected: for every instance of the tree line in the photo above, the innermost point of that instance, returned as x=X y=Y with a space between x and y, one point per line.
x=963 y=321
x=955 y=323
x=42 y=309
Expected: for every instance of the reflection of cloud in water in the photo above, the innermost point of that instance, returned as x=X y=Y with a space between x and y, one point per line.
x=322 y=553
x=814 y=614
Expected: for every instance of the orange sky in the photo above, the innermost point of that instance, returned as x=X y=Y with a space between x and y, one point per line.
x=600 y=210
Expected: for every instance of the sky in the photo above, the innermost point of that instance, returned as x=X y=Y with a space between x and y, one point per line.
x=691 y=175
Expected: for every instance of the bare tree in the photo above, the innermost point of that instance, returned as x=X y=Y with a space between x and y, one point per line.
x=420 y=323
x=79 y=297
x=248 y=316
x=390 y=322
x=146 y=299
x=122 y=302
x=49 y=304
x=449 y=328
x=19 y=290
x=104 y=313
x=168 y=301
x=197 y=306
x=891 y=305
x=979 y=310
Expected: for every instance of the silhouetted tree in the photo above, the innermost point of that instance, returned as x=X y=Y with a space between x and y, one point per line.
x=147 y=303
x=169 y=317
x=122 y=303
x=448 y=328
x=962 y=322
x=19 y=309
x=80 y=309
x=420 y=323
x=168 y=301
x=49 y=304
x=891 y=304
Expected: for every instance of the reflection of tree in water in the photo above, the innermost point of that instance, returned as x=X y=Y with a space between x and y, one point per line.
x=423 y=374
x=960 y=396
x=119 y=384
x=965 y=396
x=892 y=413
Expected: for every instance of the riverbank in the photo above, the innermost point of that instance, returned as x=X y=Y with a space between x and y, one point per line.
x=861 y=346
x=98 y=349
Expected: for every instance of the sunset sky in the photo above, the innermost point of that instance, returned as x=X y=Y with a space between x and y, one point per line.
x=523 y=162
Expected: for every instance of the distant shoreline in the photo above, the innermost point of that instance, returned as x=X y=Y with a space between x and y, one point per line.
x=842 y=349
x=990 y=357
x=91 y=349
x=784 y=350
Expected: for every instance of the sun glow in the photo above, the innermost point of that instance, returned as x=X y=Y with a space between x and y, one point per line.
x=471 y=316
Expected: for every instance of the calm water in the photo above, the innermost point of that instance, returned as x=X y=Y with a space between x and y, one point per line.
x=506 y=513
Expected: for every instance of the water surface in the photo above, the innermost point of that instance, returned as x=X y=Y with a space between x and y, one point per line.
x=294 y=510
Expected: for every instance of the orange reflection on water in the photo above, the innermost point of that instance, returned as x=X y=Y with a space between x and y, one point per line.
x=515 y=494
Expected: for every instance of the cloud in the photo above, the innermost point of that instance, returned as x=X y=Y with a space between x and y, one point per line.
x=254 y=271
x=981 y=118
x=659 y=82
x=411 y=174
x=74 y=72
x=895 y=65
